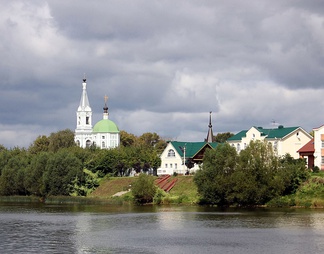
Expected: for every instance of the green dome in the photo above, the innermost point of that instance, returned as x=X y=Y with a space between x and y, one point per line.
x=105 y=125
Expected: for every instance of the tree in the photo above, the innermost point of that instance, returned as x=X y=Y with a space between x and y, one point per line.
x=214 y=179
x=127 y=139
x=61 y=139
x=143 y=189
x=222 y=137
x=61 y=169
x=41 y=144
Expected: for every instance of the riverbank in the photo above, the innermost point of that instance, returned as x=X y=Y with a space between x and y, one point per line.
x=309 y=195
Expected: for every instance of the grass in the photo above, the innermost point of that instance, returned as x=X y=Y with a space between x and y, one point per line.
x=309 y=195
x=110 y=186
x=184 y=192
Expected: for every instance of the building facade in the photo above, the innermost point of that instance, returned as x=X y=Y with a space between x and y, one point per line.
x=185 y=157
x=283 y=139
x=105 y=133
x=319 y=147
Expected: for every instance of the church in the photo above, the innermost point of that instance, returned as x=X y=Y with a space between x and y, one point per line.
x=105 y=133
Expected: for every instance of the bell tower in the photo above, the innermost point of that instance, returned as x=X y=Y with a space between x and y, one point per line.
x=83 y=131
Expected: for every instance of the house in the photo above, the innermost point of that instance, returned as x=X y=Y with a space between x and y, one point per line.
x=185 y=157
x=307 y=152
x=314 y=151
x=283 y=139
x=177 y=155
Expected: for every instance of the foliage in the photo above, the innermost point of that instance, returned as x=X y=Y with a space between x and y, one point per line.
x=214 y=180
x=61 y=169
x=84 y=188
x=253 y=177
x=144 y=189
x=222 y=137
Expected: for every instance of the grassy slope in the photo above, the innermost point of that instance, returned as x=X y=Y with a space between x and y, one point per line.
x=310 y=194
x=184 y=188
x=111 y=186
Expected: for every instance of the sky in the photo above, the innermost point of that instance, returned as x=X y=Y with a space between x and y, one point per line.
x=163 y=64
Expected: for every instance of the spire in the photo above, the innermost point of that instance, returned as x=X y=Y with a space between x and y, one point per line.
x=210 y=130
x=105 y=108
x=84 y=102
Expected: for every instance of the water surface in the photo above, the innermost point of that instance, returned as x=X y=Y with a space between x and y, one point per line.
x=39 y=228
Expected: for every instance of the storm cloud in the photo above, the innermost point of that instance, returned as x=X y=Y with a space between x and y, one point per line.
x=163 y=64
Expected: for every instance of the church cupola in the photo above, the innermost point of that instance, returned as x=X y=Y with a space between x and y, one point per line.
x=105 y=108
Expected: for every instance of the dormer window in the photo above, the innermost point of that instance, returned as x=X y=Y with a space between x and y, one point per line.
x=171 y=153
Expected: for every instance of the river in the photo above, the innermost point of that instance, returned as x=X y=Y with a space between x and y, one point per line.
x=40 y=228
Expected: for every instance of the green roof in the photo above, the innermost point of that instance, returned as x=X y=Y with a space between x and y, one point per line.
x=238 y=136
x=192 y=148
x=279 y=132
x=105 y=126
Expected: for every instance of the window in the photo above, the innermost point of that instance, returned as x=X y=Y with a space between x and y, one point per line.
x=175 y=165
x=170 y=165
x=238 y=147
x=322 y=143
x=88 y=143
x=166 y=165
x=244 y=145
x=103 y=137
x=322 y=160
x=171 y=153
x=87 y=120
x=103 y=144
x=78 y=142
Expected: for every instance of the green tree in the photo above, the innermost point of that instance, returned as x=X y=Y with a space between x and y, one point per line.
x=214 y=179
x=144 y=189
x=222 y=137
x=255 y=177
x=34 y=176
x=61 y=139
x=127 y=139
x=61 y=170
x=41 y=144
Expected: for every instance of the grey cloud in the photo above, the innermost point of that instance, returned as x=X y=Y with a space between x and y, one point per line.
x=163 y=64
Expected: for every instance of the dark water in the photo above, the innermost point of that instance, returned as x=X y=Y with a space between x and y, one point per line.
x=26 y=228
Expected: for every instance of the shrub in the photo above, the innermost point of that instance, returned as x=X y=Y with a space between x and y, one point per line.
x=144 y=189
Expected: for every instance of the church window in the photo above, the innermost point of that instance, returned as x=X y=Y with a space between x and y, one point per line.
x=87 y=120
x=171 y=153
x=88 y=143
x=103 y=137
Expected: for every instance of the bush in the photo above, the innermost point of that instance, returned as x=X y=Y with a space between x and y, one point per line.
x=158 y=197
x=316 y=169
x=144 y=189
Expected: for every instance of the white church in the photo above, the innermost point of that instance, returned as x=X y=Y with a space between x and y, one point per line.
x=105 y=133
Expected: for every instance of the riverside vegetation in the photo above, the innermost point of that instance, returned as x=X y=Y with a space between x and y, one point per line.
x=54 y=169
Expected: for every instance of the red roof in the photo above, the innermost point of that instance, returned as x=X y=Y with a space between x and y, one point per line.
x=308 y=148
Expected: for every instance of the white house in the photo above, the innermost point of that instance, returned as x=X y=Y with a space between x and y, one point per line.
x=284 y=139
x=104 y=134
x=177 y=156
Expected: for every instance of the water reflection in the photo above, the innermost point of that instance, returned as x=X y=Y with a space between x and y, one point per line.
x=151 y=229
